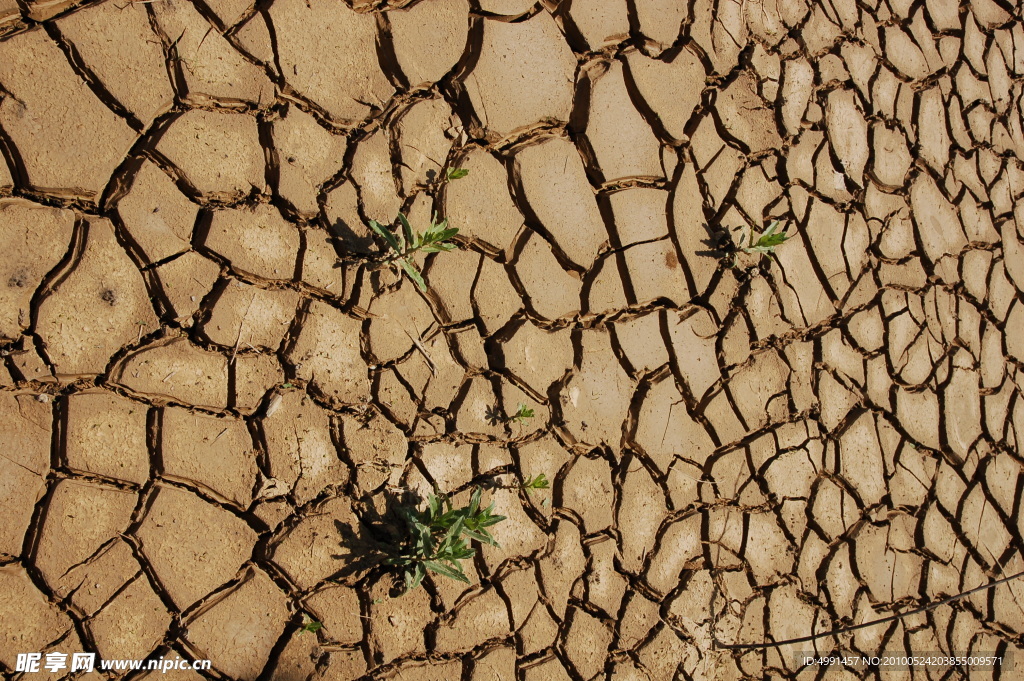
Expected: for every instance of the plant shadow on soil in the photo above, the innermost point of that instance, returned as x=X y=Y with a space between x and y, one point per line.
x=351 y=241
x=719 y=242
x=381 y=533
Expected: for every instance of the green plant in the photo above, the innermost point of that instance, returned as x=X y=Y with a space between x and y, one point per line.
x=437 y=538
x=309 y=624
x=405 y=243
x=765 y=244
x=456 y=174
x=539 y=481
x=768 y=240
x=522 y=413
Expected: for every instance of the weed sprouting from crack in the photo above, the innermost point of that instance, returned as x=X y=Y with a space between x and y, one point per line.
x=495 y=415
x=522 y=413
x=405 y=243
x=437 y=537
x=768 y=240
x=539 y=481
x=309 y=624
x=765 y=244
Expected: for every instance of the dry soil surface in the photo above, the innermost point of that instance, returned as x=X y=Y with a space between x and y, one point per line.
x=212 y=398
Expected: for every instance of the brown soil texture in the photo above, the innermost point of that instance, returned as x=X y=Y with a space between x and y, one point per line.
x=212 y=396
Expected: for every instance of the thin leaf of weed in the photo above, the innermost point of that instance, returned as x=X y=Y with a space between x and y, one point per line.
x=385 y=233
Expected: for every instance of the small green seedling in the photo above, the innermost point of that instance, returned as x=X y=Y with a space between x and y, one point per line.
x=539 y=481
x=456 y=174
x=404 y=243
x=522 y=413
x=309 y=624
x=437 y=538
x=768 y=240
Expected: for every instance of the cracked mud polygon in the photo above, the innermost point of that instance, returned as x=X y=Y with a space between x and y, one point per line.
x=212 y=395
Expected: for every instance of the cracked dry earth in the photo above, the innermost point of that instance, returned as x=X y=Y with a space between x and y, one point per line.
x=209 y=393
